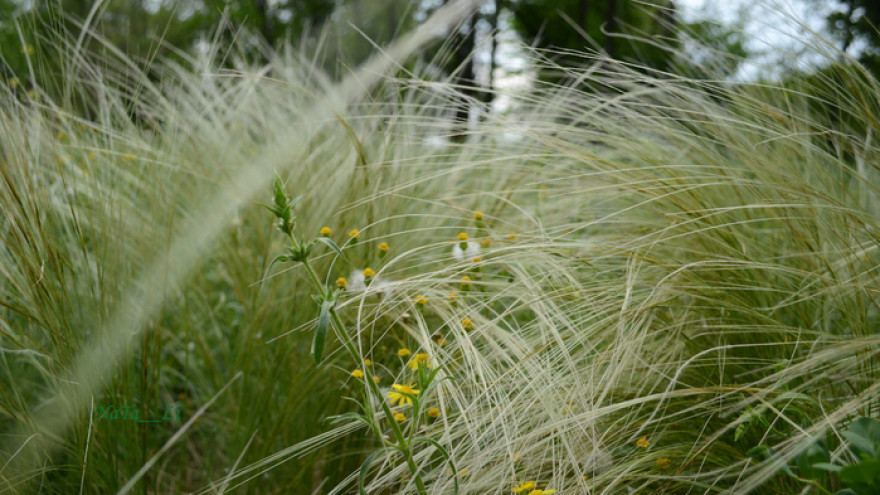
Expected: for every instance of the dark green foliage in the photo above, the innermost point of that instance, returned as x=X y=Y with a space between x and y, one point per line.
x=858 y=21
x=561 y=25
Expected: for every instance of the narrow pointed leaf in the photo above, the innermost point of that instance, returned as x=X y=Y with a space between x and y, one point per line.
x=445 y=455
x=321 y=331
x=365 y=467
x=332 y=245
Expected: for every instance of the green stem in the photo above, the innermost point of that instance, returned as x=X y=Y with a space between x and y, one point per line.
x=346 y=340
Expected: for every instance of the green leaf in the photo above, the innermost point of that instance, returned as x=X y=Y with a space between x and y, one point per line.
x=278 y=259
x=321 y=331
x=826 y=466
x=273 y=210
x=445 y=455
x=862 y=475
x=347 y=417
x=864 y=436
x=332 y=245
x=795 y=396
x=365 y=467
x=815 y=453
x=767 y=454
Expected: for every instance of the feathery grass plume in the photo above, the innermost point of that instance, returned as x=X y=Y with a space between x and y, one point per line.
x=693 y=264
x=130 y=270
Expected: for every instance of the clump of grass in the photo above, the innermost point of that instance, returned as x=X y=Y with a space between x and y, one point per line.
x=660 y=277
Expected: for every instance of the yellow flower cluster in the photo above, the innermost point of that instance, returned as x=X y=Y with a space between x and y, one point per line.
x=400 y=395
x=419 y=358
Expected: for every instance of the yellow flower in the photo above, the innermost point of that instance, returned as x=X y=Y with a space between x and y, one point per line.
x=486 y=242
x=452 y=296
x=325 y=231
x=368 y=272
x=511 y=236
x=399 y=417
x=354 y=234
x=643 y=442
x=400 y=396
x=467 y=324
x=663 y=462
x=439 y=340
x=466 y=282
x=341 y=282
x=357 y=374
x=376 y=379
x=403 y=352
x=478 y=215
x=419 y=358
x=421 y=300
x=384 y=247
x=528 y=485
x=462 y=237
x=477 y=259
x=367 y=362
x=434 y=412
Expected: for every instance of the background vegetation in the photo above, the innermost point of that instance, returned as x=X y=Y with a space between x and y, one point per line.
x=674 y=268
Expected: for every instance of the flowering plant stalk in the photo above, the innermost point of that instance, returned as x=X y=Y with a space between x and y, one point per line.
x=326 y=299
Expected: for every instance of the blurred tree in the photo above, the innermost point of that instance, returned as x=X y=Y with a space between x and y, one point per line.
x=144 y=29
x=618 y=26
x=713 y=50
x=858 y=21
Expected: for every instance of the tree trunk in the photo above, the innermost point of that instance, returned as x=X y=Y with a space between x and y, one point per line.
x=848 y=35
x=610 y=27
x=493 y=48
x=265 y=21
x=582 y=14
x=465 y=80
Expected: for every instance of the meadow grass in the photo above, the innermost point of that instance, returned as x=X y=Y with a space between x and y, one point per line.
x=674 y=271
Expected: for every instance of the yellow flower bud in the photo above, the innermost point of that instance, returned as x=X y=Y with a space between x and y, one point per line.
x=325 y=231
x=462 y=236
x=357 y=374
x=434 y=412
x=403 y=352
x=354 y=234
x=384 y=247
x=368 y=272
x=341 y=282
